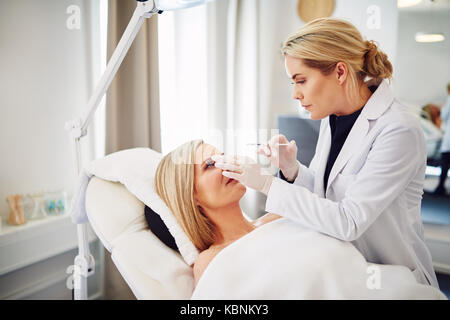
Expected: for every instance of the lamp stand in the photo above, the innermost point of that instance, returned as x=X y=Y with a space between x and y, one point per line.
x=84 y=263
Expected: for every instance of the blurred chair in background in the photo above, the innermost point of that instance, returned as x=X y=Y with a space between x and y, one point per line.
x=304 y=131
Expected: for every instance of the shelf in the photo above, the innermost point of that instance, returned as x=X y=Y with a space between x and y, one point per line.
x=37 y=240
x=8 y=229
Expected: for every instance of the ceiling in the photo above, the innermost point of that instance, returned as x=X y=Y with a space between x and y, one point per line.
x=428 y=5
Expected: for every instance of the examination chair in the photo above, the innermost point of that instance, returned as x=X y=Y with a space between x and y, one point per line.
x=150 y=268
x=116 y=195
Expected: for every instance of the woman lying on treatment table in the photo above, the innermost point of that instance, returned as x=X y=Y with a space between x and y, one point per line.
x=205 y=203
x=271 y=257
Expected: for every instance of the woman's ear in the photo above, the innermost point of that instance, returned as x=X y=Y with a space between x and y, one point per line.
x=199 y=207
x=341 y=72
x=198 y=204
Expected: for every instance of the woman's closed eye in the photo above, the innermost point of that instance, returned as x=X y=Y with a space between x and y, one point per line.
x=298 y=82
x=210 y=163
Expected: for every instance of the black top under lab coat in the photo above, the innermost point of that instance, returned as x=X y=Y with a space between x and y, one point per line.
x=340 y=128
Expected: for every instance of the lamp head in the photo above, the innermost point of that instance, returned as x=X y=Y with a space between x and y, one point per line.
x=167 y=5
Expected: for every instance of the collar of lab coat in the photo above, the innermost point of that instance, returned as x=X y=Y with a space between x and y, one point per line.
x=379 y=101
x=377 y=104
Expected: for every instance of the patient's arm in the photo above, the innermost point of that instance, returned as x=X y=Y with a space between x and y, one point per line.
x=204 y=258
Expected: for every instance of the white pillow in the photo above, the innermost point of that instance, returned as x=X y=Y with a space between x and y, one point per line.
x=151 y=269
x=135 y=169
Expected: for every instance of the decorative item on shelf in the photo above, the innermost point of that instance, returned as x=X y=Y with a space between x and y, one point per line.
x=55 y=202
x=309 y=10
x=16 y=216
x=33 y=206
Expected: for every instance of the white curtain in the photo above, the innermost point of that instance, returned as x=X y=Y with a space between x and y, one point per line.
x=217 y=83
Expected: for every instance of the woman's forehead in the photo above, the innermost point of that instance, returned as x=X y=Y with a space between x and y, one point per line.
x=205 y=151
x=295 y=65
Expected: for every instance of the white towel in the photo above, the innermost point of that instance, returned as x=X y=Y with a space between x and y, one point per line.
x=78 y=207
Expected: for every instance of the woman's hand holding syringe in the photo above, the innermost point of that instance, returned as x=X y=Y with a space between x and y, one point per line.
x=282 y=154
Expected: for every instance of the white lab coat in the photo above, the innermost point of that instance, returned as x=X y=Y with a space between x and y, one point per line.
x=445 y=116
x=374 y=191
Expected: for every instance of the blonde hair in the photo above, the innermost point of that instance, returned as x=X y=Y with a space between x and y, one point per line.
x=324 y=42
x=174 y=183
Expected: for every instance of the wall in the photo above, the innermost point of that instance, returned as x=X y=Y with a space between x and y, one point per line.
x=45 y=80
x=423 y=69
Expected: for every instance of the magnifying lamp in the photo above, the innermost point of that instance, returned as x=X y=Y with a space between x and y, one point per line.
x=84 y=264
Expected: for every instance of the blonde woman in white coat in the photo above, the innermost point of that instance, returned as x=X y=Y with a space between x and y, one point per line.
x=365 y=182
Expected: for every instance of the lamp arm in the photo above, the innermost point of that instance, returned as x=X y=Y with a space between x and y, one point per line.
x=144 y=10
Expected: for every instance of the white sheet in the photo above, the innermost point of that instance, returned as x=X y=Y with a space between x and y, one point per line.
x=282 y=260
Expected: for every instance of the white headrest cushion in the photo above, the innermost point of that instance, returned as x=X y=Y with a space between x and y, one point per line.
x=113 y=211
x=151 y=269
x=135 y=169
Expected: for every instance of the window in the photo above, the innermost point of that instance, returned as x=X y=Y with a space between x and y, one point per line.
x=182 y=76
x=99 y=69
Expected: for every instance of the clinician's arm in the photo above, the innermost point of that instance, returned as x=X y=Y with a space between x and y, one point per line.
x=394 y=159
x=306 y=175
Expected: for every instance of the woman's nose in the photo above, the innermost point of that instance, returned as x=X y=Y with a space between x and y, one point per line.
x=297 y=95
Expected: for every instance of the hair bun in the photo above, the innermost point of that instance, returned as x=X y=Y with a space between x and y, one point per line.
x=371 y=46
x=376 y=62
